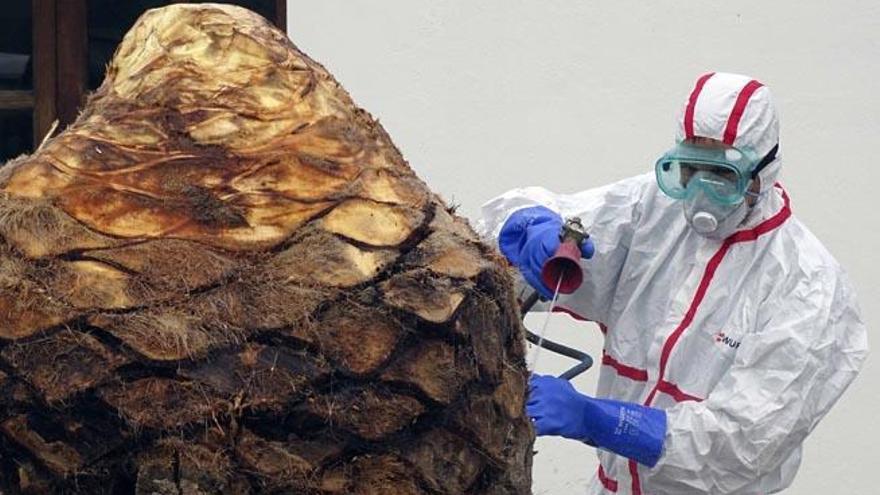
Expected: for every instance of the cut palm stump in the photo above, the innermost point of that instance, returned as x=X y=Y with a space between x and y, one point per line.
x=224 y=278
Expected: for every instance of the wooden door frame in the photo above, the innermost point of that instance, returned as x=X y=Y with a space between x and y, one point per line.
x=281 y=14
x=44 y=66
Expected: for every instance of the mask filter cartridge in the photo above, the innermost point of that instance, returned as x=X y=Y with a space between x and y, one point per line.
x=704 y=222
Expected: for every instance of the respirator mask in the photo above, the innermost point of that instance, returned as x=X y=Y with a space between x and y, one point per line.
x=712 y=183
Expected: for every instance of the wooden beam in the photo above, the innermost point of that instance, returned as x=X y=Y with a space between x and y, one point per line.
x=44 y=66
x=281 y=14
x=16 y=100
x=73 y=57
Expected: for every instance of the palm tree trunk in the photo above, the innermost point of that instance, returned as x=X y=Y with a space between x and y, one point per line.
x=224 y=278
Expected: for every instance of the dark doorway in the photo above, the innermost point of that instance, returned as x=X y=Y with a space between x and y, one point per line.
x=16 y=79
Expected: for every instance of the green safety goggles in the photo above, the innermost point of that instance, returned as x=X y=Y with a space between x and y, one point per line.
x=722 y=173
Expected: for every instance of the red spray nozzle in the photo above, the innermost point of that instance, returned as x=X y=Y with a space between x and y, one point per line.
x=565 y=264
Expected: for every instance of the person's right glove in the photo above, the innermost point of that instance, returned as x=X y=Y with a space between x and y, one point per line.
x=632 y=430
x=529 y=238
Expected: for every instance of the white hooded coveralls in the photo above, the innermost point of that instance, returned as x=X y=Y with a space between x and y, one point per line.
x=746 y=342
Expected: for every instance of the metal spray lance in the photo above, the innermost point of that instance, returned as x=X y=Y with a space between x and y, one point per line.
x=562 y=271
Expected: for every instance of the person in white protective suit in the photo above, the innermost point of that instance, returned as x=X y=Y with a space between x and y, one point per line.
x=730 y=331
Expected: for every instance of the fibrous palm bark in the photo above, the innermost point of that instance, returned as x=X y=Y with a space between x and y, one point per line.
x=224 y=278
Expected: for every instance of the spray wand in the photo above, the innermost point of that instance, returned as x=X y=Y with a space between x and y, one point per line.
x=564 y=272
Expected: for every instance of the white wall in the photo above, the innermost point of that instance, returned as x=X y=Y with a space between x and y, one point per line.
x=483 y=96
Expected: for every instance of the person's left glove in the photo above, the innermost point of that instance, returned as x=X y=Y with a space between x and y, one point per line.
x=631 y=430
x=529 y=238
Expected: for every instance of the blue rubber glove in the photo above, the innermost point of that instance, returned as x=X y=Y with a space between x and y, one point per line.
x=529 y=238
x=631 y=430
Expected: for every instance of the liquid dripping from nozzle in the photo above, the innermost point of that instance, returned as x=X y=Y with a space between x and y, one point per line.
x=546 y=321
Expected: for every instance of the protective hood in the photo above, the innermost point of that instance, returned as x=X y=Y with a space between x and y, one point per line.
x=736 y=110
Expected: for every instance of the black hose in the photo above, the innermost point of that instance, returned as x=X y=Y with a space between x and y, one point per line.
x=530 y=301
x=586 y=361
